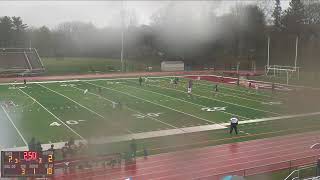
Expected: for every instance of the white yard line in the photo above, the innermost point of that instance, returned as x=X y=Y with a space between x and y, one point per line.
x=82 y=80
x=20 y=134
x=151 y=102
x=182 y=100
x=72 y=130
x=155 y=119
x=92 y=111
x=235 y=96
x=220 y=100
x=275 y=118
x=236 y=90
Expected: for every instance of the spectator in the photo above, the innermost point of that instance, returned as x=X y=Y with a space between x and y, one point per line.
x=133 y=147
x=32 y=144
x=72 y=150
x=71 y=141
x=145 y=152
x=65 y=150
x=80 y=148
x=38 y=147
x=51 y=148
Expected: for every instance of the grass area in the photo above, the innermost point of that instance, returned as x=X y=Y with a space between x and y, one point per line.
x=54 y=112
x=82 y=65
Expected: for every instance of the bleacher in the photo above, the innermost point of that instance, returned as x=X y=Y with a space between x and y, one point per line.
x=20 y=61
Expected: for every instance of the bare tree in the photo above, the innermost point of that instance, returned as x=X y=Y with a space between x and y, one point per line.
x=267 y=6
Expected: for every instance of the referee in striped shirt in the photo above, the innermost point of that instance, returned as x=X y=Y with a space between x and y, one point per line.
x=234 y=124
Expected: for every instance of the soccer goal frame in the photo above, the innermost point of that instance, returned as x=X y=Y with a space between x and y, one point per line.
x=289 y=71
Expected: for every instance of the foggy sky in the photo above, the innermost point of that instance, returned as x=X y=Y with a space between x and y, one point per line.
x=100 y=13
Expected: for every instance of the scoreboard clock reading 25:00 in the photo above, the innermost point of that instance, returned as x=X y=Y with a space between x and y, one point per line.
x=27 y=164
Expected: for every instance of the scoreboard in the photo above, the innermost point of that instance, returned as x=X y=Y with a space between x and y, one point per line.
x=27 y=163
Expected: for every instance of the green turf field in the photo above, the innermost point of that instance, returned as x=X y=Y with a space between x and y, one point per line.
x=56 y=111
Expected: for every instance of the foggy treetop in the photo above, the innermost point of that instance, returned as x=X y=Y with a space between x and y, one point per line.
x=175 y=30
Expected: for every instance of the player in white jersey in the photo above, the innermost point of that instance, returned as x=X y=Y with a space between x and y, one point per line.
x=190 y=83
x=85 y=91
x=171 y=82
x=114 y=104
x=146 y=80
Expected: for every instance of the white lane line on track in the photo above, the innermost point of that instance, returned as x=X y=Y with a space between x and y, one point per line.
x=268 y=147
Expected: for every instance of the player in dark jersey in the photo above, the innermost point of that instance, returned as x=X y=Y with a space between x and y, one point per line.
x=249 y=85
x=175 y=82
x=215 y=90
x=273 y=87
x=140 y=80
x=24 y=81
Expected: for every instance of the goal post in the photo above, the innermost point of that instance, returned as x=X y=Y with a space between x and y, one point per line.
x=279 y=70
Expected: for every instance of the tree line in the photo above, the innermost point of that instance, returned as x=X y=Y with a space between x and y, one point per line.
x=175 y=32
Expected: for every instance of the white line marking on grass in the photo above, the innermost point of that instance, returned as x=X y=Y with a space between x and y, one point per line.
x=52 y=114
x=92 y=111
x=130 y=109
x=264 y=120
x=151 y=102
x=231 y=94
x=221 y=101
x=236 y=90
x=248 y=93
x=239 y=97
x=182 y=100
x=25 y=142
x=81 y=80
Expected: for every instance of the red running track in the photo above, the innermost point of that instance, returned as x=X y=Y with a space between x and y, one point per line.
x=213 y=162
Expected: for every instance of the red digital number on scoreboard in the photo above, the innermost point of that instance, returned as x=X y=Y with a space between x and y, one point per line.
x=27 y=163
x=30 y=155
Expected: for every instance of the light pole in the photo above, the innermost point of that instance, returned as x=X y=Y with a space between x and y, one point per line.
x=122 y=34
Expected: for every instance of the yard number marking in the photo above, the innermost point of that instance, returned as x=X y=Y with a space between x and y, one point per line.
x=147 y=115
x=70 y=122
x=109 y=82
x=272 y=103
x=213 y=109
